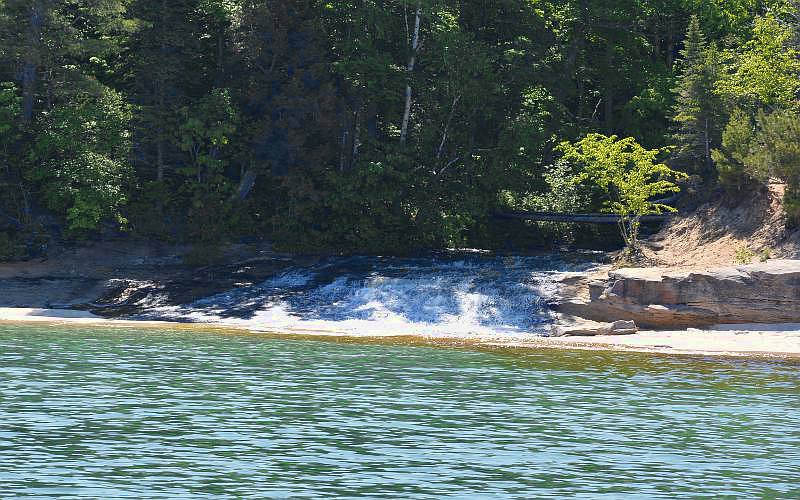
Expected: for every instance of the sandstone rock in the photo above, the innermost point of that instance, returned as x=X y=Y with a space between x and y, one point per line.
x=623 y=327
x=574 y=327
x=767 y=292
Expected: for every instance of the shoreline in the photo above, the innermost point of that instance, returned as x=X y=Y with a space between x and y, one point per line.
x=724 y=341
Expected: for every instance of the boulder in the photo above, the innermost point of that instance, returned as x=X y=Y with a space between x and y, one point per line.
x=575 y=327
x=767 y=292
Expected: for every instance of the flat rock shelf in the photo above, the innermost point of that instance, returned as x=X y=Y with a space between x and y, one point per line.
x=767 y=292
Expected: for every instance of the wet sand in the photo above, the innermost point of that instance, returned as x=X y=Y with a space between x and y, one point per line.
x=726 y=340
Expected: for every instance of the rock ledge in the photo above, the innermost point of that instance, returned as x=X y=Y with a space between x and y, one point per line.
x=767 y=292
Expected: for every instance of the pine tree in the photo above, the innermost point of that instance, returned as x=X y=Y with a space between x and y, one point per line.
x=696 y=110
x=162 y=53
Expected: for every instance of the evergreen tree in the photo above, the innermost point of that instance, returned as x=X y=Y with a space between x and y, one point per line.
x=731 y=158
x=162 y=59
x=696 y=113
x=774 y=153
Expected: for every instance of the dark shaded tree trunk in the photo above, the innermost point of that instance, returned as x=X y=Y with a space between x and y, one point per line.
x=608 y=100
x=30 y=68
x=246 y=185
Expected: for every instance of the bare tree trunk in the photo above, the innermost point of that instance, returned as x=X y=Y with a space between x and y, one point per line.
x=246 y=184
x=351 y=133
x=160 y=156
x=356 y=135
x=707 y=147
x=161 y=100
x=608 y=101
x=577 y=63
x=623 y=229
x=409 y=72
x=49 y=94
x=628 y=227
x=219 y=80
x=447 y=126
x=581 y=92
x=344 y=141
x=670 y=45
x=31 y=66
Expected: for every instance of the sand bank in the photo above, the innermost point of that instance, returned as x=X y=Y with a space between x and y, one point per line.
x=743 y=340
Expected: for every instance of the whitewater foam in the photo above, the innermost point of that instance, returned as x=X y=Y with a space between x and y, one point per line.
x=468 y=296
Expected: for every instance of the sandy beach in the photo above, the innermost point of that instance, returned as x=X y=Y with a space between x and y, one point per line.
x=754 y=340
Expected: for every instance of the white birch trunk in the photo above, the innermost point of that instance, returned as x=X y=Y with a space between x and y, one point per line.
x=409 y=71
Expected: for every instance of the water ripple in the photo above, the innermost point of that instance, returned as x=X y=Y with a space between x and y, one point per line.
x=164 y=414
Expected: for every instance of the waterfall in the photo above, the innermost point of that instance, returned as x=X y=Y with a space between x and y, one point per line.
x=456 y=295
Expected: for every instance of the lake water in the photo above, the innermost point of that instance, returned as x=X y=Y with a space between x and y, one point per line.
x=106 y=413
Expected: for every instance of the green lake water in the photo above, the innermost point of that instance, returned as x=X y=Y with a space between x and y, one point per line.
x=108 y=413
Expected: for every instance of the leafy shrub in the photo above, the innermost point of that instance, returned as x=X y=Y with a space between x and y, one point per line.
x=8 y=247
x=88 y=188
x=791 y=205
x=80 y=160
x=562 y=196
x=152 y=211
x=743 y=255
x=629 y=175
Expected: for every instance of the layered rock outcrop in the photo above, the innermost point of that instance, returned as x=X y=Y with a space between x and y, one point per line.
x=767 y=292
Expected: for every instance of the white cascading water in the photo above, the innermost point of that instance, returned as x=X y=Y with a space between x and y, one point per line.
x=466 y=296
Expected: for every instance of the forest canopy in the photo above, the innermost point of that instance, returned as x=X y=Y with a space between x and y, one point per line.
x=363 y=126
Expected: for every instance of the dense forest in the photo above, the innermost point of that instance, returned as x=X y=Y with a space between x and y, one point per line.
x=363 y=126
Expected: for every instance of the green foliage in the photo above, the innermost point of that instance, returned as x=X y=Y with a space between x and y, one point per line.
x=645 y=116
x=561 y=195
x=791 y=205
x=201 y=120
x=766 y=72
x=697 y=110
x=10 y=109
x=89 y=187
x=80 y=160
x=153 y=211
x=759 y=142
x=743 y=255
x=776 y=152
x=204 y=133
x=10 y=138
x=731 y=19
x=360 y=211
x=731 y=159
x=629 y=175
x=755 y=151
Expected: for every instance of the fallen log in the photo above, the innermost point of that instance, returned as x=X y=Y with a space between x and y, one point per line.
x=577 y=218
